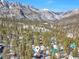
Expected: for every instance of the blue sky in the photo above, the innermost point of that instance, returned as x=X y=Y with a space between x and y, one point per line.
x=56 y=5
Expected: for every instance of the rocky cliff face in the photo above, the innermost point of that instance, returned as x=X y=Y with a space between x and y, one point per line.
x=29 y=12
x=18 y=11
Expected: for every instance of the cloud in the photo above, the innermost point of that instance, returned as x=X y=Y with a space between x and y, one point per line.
x=45 y=9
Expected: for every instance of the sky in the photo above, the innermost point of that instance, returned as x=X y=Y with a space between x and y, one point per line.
x=55 y=5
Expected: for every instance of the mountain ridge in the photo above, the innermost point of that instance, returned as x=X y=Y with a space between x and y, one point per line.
x=19 y=11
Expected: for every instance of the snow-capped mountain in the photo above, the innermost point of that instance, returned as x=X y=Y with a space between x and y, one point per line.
x=70 y=17
x=71 y=13
x=18 y=11
x=28 y=12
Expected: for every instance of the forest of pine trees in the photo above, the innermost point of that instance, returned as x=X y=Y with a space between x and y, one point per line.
x=19 y=41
